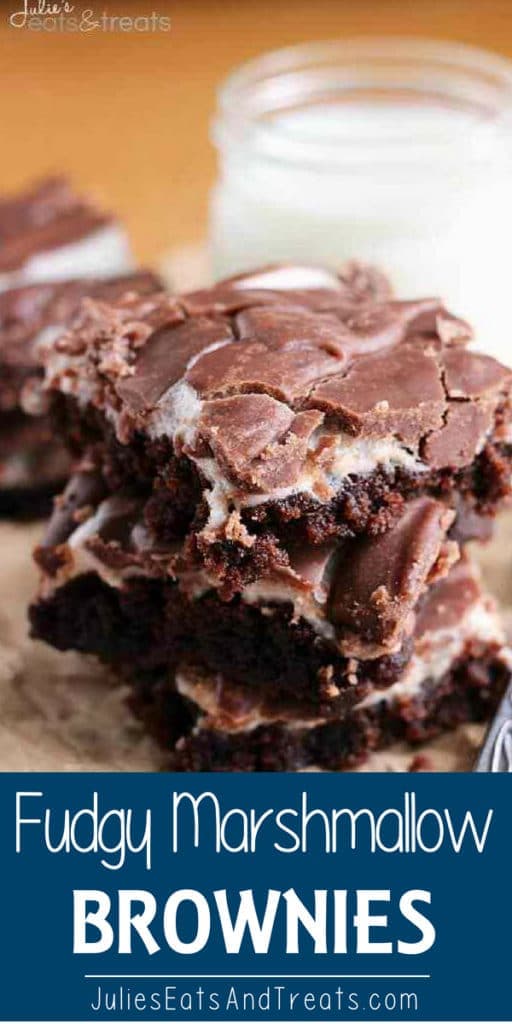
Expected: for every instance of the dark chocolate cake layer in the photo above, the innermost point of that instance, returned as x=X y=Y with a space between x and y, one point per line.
x=468 y=692
x=50 y=233
x=145 y=629
x=276 y=410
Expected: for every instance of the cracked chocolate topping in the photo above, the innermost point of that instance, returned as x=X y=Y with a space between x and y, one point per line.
x=29 y=310
x=46 y=216
x=270 y=383
x=379 y=582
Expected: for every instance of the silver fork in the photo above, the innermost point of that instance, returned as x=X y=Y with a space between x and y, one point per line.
x=496 y=752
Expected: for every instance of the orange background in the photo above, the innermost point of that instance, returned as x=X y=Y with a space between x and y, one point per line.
x=127 y=115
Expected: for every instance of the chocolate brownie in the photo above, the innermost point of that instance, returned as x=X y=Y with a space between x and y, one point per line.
x=322 y=629
x=468 y=692
x=260 y=682
x=263 y=535
x=34 y=463
x=278 y=410
x=49 y=233
x=457 y=674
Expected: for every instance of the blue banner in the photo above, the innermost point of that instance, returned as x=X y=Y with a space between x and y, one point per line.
x=262 y=897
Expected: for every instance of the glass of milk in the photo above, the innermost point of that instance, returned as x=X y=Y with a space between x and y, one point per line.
x=392 y=151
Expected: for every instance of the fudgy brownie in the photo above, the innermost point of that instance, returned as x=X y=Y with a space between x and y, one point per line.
x=263 y=535
x=49 y=233
x=278 y=410
x=458 y=672
x=34 y=462
x=264 y=681
x=321 y=631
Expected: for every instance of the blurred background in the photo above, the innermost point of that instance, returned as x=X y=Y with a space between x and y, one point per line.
x=127 y=114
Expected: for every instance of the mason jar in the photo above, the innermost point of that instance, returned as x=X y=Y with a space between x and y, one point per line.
x=393 y=151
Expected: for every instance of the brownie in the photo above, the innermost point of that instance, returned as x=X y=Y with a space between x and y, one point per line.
x=237 y=685
x=34 y=462
x=264 y=534
x=468 y=692
x=48 y=233
x=323 y=629
x=457 y=674
x=282 y=409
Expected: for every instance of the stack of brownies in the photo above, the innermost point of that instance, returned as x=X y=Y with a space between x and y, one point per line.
x=264 y=533
x=51 y=242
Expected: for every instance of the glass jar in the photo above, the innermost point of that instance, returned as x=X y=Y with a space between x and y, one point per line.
x=392 y=151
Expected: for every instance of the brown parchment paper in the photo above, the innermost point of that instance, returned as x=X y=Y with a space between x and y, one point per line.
x=63 y=712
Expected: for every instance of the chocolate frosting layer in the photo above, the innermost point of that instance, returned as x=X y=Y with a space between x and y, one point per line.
x=378 y=369
x=450 y=599
x=31 y=316
x=257 y=439
x=379 y=581
x=44 y=217
x=398 y=392
x=320 y=289
x=26 y=311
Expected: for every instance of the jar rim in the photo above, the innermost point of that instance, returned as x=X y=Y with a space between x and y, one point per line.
x=444 y=74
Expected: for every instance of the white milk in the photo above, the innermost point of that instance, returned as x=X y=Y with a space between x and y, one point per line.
x=411 y=176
